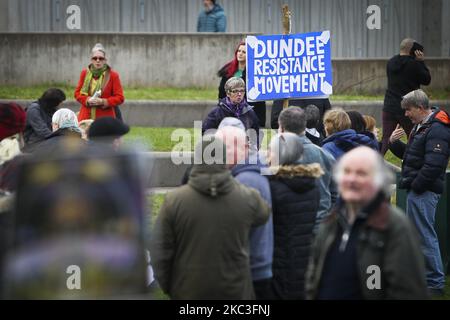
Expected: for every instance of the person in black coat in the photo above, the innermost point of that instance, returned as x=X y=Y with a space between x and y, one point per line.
x=405 y=72
x=295 y=202
x=236 y=68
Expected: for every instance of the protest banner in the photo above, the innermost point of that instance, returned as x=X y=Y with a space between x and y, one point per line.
x=289 y=66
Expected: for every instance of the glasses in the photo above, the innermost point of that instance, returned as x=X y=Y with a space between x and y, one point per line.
x=98 y=58
x=235 y=91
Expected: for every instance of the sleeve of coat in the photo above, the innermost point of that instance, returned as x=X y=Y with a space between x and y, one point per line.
x=211 y=121
x=81 y=98
x=162 y=247
x=39 y=126
x=436 y=160
x=423 y=73
x=397 y=148
x=261 y=209
x=221 y=23
x=117 y=97
x=403 y=268
x=222 y=93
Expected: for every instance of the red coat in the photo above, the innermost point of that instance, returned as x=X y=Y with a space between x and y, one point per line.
x=111 y=91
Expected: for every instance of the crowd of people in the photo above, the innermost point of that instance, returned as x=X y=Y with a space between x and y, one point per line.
x=309 y=218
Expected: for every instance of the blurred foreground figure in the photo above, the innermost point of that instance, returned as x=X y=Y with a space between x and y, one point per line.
x=366 y=249
x=77 y=230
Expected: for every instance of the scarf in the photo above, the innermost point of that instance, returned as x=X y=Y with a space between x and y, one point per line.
x=236 y=109
x=96 y=74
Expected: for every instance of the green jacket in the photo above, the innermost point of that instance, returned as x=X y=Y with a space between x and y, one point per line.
x=200 y=245
x=387 y=239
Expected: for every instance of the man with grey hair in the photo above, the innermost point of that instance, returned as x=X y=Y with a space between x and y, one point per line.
x=249 y=174
x=425 y=160
x=366 y=249
x=234 y=105
x=405 y=72
x=293 y=119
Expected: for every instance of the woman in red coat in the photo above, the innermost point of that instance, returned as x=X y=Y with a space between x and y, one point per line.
x=99 y=90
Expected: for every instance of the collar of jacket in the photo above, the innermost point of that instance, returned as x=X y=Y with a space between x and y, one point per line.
x=313 y=170
x=376 y=213
x=223 y=105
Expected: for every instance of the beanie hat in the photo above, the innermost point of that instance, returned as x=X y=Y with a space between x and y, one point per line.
x=107 y=127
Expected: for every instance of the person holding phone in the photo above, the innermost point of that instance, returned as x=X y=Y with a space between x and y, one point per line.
x=406 y=71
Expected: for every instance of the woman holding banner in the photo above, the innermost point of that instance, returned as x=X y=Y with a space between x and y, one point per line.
x=236 y=68
x=99 y=89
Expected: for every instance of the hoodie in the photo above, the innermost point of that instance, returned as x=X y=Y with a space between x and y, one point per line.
x=425 y=157
x=261 y=238
x=200 y=242
x=404 y=74
x=343 y=141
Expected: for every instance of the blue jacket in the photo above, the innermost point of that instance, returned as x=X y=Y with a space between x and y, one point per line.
x=340 y=142
x=261 y=238
x=326 y=184
x=425 y=157
x=212 y=21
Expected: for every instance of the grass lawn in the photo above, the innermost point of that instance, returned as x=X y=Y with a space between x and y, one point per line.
x=155 y=93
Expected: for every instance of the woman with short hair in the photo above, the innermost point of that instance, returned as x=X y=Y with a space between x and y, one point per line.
x=234 y=105
x=99 y=89
x=237 y=68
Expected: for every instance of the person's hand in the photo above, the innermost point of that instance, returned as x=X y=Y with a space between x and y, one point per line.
x=397 y=134
x=419 y=55
x=95 y=102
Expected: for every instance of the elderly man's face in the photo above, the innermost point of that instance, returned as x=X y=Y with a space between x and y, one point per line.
x=357 y=184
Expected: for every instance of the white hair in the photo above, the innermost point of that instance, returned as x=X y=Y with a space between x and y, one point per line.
x=66 y=118
x=383 y=176
x=98 y=47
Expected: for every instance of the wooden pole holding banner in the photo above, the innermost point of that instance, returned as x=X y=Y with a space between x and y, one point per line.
x=286 y=30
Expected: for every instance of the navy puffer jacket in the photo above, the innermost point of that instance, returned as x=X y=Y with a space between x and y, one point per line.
x=343 y=141
x=425 y=157
x=295 y=202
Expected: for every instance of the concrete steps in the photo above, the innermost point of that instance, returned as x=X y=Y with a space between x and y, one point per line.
x=183 y=113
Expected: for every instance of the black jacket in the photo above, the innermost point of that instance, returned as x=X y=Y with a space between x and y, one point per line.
x=295 y=202
x=425 y=157
x=404 y=74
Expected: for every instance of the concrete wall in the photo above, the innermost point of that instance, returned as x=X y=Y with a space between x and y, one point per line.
x=424 y=20
x=175 y=60
x=182 y=114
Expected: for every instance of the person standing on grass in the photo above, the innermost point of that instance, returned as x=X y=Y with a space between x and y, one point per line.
x=425 y=159
x=99 y=89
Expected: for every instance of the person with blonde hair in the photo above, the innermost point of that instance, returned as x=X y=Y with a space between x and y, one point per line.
x=340 y=137
x=99 y=89
x=84 y=126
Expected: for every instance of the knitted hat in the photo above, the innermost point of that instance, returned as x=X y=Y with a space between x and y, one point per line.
x=107 y=127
